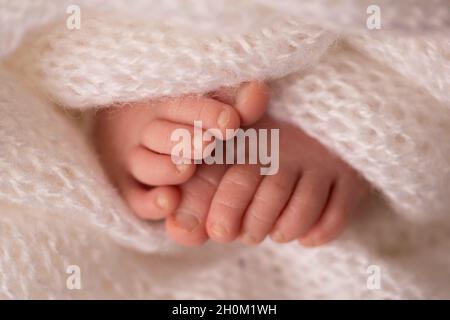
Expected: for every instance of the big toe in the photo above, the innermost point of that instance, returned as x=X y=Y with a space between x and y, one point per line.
x=151 y=203
x=188 y=225
x=251 y=101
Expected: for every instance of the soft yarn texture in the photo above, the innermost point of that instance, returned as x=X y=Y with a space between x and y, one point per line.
x=379 y=99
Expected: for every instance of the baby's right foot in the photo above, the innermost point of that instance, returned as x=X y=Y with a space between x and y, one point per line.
x=312 y=196
x=135 y=146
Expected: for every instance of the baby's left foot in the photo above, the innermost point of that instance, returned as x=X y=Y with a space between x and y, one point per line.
x=135 y=143
x=311 y=198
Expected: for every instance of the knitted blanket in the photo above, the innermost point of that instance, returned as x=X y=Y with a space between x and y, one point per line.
x=378 y=98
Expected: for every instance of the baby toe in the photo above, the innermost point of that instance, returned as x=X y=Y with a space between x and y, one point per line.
x=251 y=101
x=304 y=207
x=230 y=201
x=344 y=202
x=152 y=204
x=267 y=204
x=176 y=140
x=210 y=113
x=187 y=225
x=156 y=169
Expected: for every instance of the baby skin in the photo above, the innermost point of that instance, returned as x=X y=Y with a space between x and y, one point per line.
x=311 y=198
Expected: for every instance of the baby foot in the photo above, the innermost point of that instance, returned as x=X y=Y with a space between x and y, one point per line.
x=134 y=142
x=311 y=198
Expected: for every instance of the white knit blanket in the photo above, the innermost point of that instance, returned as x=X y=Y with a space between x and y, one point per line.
x=378 y=98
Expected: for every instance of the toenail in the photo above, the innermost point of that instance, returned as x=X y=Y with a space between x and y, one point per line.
x=187 y=222
x=219 y=230
x=162 y=202
x=277 y=236
x=182 y=167
x=248 y=239
x=224 y=118
x=242 y=95
x=310 y=241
